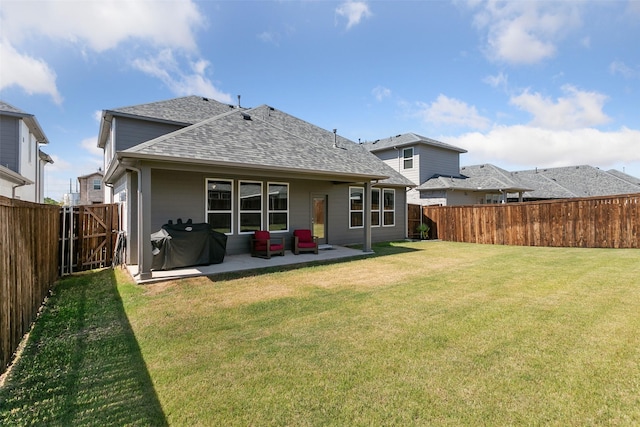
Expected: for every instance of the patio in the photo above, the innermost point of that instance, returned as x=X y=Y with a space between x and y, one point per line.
x=245 y=262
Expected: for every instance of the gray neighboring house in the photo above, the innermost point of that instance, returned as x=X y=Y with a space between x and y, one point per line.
x=419 y=159
x=243 y=169
x=479 y=184
x=21 y=160
x=575 y=181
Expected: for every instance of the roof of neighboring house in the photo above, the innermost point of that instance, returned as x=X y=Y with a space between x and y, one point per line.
x=44 y=157
x=484 y=177
x=266 y=138
x=576 y=181
x=407 y=139
x=31 y=121
x=186 y=110
x=89 y=175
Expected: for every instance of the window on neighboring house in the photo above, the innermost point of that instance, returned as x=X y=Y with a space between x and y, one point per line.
x=97 y=184
x=407 y=156
x=356 y=207
x=250 y=210
x=219 y=206
x=389 y=207
x=278 y=206
x=375 y=207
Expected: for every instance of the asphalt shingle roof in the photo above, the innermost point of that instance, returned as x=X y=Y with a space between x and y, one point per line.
x=485 y=177
x=8 y=108
x=187 y=110
x=575 y=181
x=408 y=139
x=264 y=137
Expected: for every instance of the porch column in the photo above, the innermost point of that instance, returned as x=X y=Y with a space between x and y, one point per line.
x=145 y=257
x=366 y=247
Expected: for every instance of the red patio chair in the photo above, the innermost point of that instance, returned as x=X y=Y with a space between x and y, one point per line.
x=304 y=241
x=263 y=245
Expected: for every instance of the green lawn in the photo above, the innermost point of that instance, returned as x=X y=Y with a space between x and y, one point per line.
x=425 y=333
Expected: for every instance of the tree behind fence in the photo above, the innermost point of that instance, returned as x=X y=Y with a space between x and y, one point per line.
x=595 y=222
x=28 y=267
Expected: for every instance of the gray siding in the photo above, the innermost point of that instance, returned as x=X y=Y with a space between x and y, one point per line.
x=182 y=195
x=131 y=132
x=437 y=161
x=9 y=144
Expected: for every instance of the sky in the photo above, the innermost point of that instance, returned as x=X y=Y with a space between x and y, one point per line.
x=519 y=84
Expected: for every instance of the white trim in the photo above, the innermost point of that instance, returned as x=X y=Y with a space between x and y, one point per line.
x=269 y=211
x=206 y=201
x=252 y=211
x=361 y=210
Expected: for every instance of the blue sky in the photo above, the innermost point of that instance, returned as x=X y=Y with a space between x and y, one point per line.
x=519 y=84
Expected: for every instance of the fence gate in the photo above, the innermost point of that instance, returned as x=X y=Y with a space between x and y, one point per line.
x=87 y=236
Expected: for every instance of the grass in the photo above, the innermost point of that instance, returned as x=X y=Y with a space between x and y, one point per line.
x=425 y=333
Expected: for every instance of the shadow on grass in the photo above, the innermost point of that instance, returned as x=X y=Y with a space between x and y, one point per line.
x=81 y=364
x=379 y=250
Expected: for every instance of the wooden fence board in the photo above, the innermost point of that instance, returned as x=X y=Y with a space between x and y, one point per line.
x=28 y=268
x=595 y=222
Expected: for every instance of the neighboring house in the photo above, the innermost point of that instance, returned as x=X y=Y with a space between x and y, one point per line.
x=243 y=170
x=21 y=160
x=482 y=184
x=575 y=181
x=418 y=158
x=91 y=191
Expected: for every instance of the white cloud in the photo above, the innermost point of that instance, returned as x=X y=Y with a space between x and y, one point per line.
x=381 y=92
x=527 y=147
x=90 y=145
x=450 y=111
x=577 y=109
x=31 y=74
x=165 y=67
x=620 y=68
x=501 y=80
x=94 y=26
x=525 y=32
x=354 y=11
x=104 y=24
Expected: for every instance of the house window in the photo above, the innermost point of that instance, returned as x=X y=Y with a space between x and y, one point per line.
x=250 y=210
x=97 y=184
x=278 y=206
x=389 y=207
x=375 y=207
x=356 y=207
x=219 y=208
x=407 y=157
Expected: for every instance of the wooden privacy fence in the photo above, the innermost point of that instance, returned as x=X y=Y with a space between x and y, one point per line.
x=87 y=236
x=595 y=222
x=28 y=267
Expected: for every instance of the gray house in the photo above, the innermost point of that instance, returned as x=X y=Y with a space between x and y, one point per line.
x=21 y=160
x=418 y=158
x=243 y=170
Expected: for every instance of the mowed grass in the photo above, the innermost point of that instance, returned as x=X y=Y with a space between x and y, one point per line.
x=424 y=333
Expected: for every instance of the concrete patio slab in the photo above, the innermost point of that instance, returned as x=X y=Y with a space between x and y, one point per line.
x=245 y=262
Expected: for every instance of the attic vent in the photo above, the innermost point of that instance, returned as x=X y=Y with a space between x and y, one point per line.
x=246 y=116
x=398 y=135
x=205 y=99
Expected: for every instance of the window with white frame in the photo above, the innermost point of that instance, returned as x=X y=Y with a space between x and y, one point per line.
x=97 y=184
x=250 y=209
x=356 y=207
x=407 y=157
x=219 y=205
x=375 y=207
x=389 y=207
x=278 y=194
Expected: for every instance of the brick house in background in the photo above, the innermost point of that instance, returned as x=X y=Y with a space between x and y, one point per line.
x=91 y=188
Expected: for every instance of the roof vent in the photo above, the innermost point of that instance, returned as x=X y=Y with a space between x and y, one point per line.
x=246 y=116
x=205 y=99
